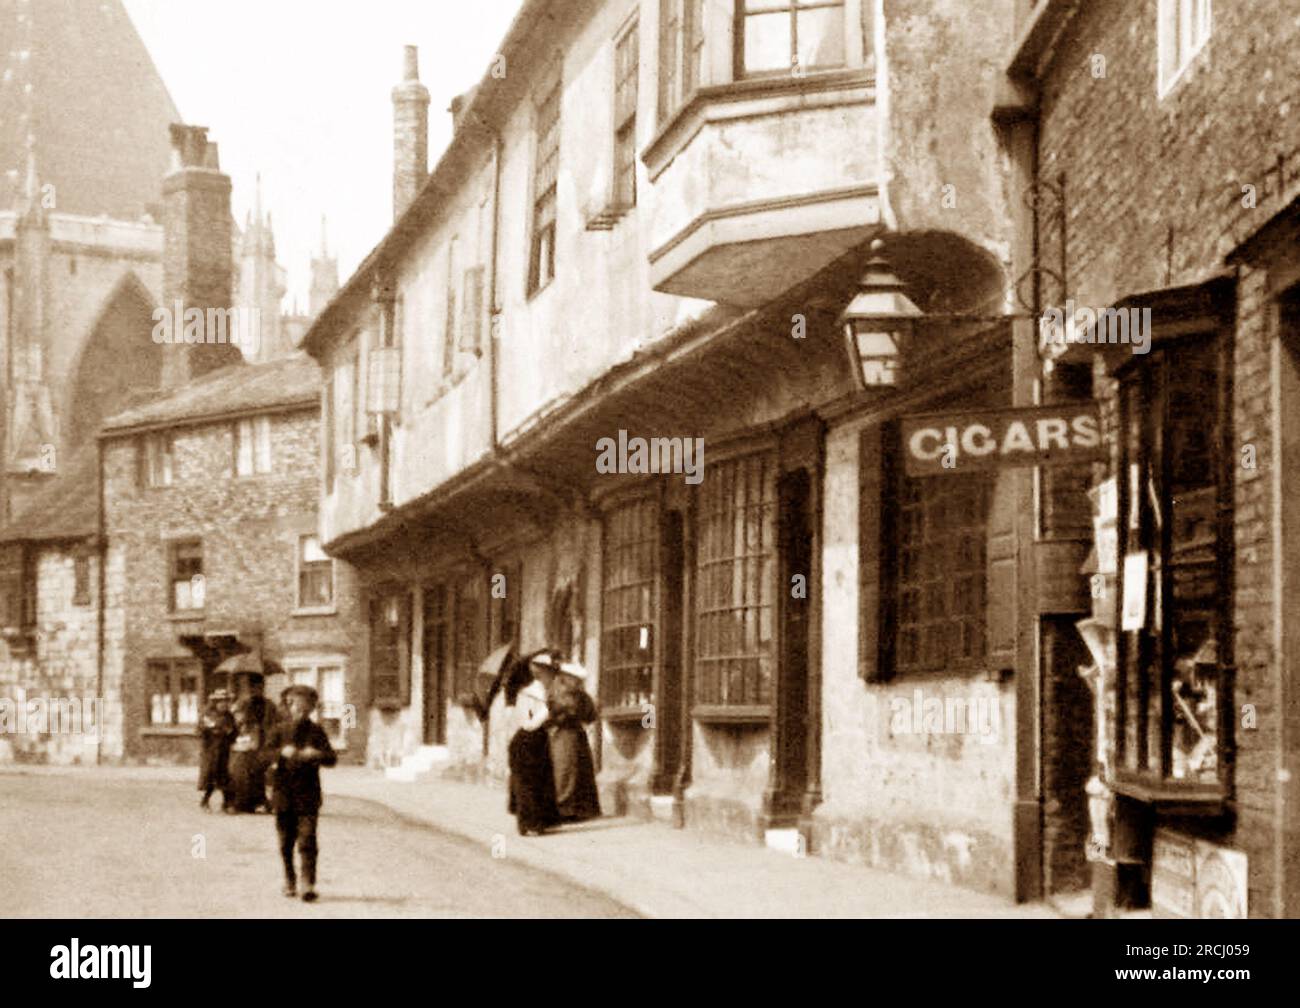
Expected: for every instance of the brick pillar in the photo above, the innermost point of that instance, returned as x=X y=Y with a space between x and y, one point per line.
x=197 y=259
x=410 y=133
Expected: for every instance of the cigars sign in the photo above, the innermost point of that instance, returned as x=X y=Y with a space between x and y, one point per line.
x=938 y=443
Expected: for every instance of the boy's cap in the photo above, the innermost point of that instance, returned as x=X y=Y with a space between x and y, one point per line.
x=306 y=692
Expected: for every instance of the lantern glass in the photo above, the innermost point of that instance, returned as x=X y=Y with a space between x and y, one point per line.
x=877 y=354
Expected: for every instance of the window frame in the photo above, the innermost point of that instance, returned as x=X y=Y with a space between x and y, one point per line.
x=258 y=442
x=307 y=670
x=469 y=643
x=682 y=56
x=627 y=92
x=174 y=548
x=1196 y=796
x=156 y=460
x=719 y=704
x=1183 y=28
x=175 y=670
x=544 y=184
x=82 y=575
x=300 y=570
x=390 y=685
x=615 y=700
x=793 y=8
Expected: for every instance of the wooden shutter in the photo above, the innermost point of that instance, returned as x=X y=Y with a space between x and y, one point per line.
x=404 y=648
x=1002 y=573
x=877 y=544
x=471 y=319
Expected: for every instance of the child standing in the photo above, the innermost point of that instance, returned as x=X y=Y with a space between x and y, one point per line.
x=217 y=731
x=298 y=749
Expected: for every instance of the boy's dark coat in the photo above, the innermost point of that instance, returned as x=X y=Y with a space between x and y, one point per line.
x=295 y=784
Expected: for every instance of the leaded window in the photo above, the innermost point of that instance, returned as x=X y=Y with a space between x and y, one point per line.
x=628 y=609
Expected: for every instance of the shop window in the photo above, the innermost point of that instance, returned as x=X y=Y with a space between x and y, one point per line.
x=628 y=606
x=315 y=575
x=173 y=689
x=327 y=679
x=390 y=650
x=1175 y=573
x=735 y=584
x=788 y=36
x=938 y=591
x=188 y=587
x=681 y=53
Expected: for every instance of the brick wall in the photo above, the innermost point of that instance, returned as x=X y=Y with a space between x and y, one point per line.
x=249 y=527
x=1154 y=197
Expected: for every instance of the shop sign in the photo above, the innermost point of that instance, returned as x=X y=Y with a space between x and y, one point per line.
x=939 y=443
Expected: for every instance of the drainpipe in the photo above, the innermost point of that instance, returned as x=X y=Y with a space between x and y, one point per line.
x=101 y=552
x=494 y=310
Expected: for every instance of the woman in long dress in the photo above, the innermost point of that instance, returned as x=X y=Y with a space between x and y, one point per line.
x=532 y=783
x=571 y=709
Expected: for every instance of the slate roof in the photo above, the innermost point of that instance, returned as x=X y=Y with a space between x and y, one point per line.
x=237 y=389
x=100 y=110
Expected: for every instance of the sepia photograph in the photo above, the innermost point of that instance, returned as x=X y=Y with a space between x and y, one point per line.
x=650 y=459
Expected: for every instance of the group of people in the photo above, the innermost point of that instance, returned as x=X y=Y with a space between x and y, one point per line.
x=256 y=745
x=552 y=776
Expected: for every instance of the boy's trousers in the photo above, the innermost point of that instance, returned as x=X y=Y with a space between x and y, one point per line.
x=298 y=828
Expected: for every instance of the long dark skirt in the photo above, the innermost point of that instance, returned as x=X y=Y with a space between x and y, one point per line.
x=247 y=781
x=532 y=785
x=575 y=774
x=214 y=765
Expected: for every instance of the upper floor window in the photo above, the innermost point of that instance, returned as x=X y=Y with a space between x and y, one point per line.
x=156 y=460
x=788 y=36
x=252 y=445
x=1184 y=27
x=626 y=66
x=681 y=52
x=315 y=574
x=188 y=588
x=546 y=163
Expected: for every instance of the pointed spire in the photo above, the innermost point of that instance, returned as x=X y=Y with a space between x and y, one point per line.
x=257 y=199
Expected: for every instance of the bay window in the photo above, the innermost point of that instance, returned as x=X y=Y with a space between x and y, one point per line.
x=788 y=36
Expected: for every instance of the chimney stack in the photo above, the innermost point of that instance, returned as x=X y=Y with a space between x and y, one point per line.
x=410 y=133
x=197 y=252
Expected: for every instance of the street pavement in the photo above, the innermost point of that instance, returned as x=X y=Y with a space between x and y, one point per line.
x=105 y=844
x=114 y=841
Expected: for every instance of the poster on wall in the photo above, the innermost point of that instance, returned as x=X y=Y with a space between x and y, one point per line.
x=1134 y=613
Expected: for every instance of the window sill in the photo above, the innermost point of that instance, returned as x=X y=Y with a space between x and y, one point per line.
x=1172 y=798
x=625 y=714
x=186 y=615
x=675 y=132
x=608 y=217
x=316 y=611
x=758 y=715
x=170 y=731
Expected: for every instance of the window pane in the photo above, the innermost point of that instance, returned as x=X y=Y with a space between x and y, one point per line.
x=768 y=43
x=821 y=37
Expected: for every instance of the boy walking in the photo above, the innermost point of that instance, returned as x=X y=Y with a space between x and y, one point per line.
x=298 y=749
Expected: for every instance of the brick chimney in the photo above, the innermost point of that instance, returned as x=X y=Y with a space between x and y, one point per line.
x=410 y=133
x=197 y=250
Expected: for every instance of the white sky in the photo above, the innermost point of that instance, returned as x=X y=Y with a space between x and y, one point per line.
x=300 y=91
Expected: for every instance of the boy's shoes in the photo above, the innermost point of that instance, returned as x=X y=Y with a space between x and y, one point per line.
x=309 y=895
x=291 y=890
